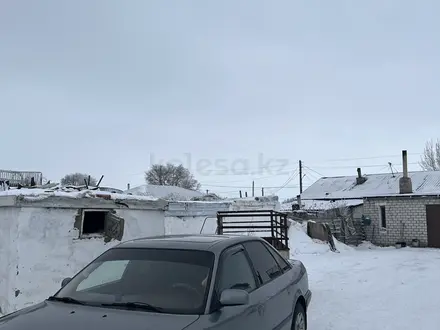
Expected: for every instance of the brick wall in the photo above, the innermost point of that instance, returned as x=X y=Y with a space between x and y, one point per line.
x=409 y=213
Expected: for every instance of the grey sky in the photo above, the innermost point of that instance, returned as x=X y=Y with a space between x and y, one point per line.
x=99 y=86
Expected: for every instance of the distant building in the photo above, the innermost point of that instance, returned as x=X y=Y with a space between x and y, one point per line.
x=23 y=178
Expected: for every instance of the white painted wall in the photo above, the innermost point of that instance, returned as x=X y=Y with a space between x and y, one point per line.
x=248 y=205
x=190 y=221
x=46 y=249
x=8 y=255
x=40 y=246
x=189 y=225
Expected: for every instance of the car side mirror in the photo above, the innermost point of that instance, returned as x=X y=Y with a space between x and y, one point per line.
x=234 y=297
x=65 y=281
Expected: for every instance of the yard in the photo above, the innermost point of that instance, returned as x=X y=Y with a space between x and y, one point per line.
x=365 y=287
x=376 y=288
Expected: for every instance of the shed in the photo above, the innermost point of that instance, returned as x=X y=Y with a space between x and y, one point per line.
x=48 y=235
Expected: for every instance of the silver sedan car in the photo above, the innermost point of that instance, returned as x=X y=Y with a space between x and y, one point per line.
x=175 y=283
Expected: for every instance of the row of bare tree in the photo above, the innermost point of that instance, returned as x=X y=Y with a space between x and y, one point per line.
x=430 y=160
x=166 y=175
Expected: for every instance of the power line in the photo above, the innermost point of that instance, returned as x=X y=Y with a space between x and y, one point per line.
x=250 y=187
x=295 y=173
x=370 y=157
x=251 y=171
x=286 y=170
x=321 y=175
x=246 y=180
x=361 y=166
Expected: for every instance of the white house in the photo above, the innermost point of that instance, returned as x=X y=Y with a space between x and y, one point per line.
x=47 y=235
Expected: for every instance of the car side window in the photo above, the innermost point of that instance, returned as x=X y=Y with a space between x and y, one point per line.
x=285 y=266
x=236 y=273
x=264 y=263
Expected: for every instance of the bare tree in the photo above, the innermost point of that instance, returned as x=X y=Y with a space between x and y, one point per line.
x=77 y=179
x=171 y=175
x=430 y=161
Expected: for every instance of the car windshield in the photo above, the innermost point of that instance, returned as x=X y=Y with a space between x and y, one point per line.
x=171 y=281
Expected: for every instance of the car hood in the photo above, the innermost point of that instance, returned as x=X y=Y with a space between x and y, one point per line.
x=58 y=315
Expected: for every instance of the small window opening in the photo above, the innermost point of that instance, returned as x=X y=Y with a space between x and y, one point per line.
x=383 y=217
x=100 y=223
x=94 y=222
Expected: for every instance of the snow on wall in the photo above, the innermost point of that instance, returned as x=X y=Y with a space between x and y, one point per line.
x=189 y=217
x=40 y=246
x=8 y=254
x=190 y=225
x=45 y=249
x=249 y=205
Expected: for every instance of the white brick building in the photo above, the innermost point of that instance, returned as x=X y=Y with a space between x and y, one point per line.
x=403 y=218
x=402 y=207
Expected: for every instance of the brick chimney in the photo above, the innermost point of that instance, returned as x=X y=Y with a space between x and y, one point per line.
x=405 y=184
x=360 y=179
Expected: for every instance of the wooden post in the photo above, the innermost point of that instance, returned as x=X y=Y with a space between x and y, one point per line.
x=253 y=188
x=262 y=191
x=241 y=196
x=219 y=224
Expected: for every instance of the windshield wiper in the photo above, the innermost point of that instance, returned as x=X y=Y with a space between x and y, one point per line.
x=136 y=305
x=67 y=300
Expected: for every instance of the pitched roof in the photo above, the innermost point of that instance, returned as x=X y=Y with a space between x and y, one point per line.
x=384 y=184
x=164 y=192
x=316 y=204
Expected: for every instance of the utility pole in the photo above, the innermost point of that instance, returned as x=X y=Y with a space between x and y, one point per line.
x=262 y=191
x=300 y=177
x=253 y=188
x=207 y=191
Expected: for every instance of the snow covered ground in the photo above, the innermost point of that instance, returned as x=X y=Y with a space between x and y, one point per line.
x=370 y=287
x=367 y=287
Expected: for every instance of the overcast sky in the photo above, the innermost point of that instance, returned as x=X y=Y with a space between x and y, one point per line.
x=107 y=87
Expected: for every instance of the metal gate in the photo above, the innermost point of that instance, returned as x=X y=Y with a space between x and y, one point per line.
x=271 y=225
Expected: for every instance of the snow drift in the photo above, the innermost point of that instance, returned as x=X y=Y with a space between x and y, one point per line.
x=301 y=243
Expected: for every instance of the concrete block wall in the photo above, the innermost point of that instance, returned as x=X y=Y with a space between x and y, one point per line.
x=404 y=215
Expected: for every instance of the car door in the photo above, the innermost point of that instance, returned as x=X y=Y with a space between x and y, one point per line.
x=235 y=272
x=287 y=280
x=274 y=286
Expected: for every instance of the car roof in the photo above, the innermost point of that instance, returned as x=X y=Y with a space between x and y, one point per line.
x=214 y=243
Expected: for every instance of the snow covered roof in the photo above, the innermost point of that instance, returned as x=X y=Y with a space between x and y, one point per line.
x=65 y=197
x=376 y=185
x=43 y=193
x=313 y=204
x=164 y=192
x=262 y=199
